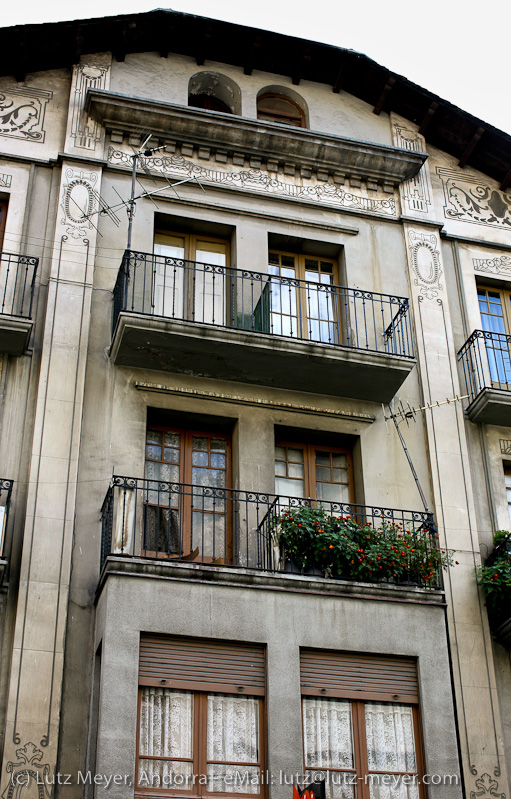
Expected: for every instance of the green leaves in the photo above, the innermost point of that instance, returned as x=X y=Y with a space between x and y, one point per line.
x=352 y=549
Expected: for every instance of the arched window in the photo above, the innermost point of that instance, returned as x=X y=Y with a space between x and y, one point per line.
x=279 y=108
x=214 y=92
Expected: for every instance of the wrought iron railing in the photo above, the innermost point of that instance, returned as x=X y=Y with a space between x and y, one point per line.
x=5 y=502
x=486 y=362
x=229 y=527
x=322 y=313
x=17 y=279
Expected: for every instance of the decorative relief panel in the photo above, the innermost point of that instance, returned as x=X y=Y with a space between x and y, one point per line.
x=470 y=200
x=260 y=181
x=84 y=130
x=79 y=199
x=5 y=181
x=27 y=777
x=487 y=788
x=417 y=192
x=505 y=446
x=425 y=260
x=22 y=113
x=500 y=265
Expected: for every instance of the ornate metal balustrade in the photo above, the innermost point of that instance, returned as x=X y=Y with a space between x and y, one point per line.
x=17 y=278
x=227 y=527
x=486 y=362
x=207 y=294
x=5 y=501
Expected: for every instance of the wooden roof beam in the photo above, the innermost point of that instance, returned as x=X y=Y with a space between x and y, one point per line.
x=507 y=180
x=470 y=147
x=428 y=116
x=301 y=63
x=383 y=96
x=337 y=86
x=203 y=46
x=251 y=57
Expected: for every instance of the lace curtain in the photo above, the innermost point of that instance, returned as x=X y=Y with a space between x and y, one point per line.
x=328 y=743
x=233 y=735
x=390 y=748
x=166 y=729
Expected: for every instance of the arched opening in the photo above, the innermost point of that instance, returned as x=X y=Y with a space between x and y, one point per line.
x=279 y=104
x=214 y=92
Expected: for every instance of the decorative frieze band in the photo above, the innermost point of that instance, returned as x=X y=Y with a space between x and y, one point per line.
x=468 y=199
x=501 y=265
x=310 y=189
x=5 y=181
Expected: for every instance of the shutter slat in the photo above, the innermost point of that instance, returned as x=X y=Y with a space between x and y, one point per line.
x=363 y=677
x=202 y=665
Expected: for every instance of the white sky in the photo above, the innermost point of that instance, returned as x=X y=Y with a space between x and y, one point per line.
x=458 y=49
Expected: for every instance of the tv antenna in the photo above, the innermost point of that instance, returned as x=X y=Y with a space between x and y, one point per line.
x=405 y=413
x=137 y=159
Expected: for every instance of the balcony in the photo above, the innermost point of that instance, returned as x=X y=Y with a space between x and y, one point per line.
x=5 y=501
x=486 y=363
x=218 y=527
x=17 y=277
x=232 y=324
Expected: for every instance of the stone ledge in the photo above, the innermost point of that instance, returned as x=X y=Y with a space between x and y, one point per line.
x=239 y=138
x=127 y=566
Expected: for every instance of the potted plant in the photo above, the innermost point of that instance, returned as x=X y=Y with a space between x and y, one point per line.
x=495 y=580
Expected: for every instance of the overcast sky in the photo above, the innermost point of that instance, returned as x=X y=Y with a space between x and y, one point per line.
x=455 y=48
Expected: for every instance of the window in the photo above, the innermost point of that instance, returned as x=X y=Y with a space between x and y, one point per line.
x=495 y=309
x=279 y=108
x=203 y=736
x=189 y=277
x=310 y=470
x=209 y=103
x=3 y=217
x=181 y=517
x=304 y=299
x=353 y=733
x=507 y=479
x=214 y=92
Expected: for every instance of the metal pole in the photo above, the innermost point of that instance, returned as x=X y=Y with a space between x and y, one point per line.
x=131 y=207
x=421 y=492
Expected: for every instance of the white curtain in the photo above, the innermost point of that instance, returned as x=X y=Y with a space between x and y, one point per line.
x=328 y=743
x=166 y=729
x=390 y=748
x=233 y=735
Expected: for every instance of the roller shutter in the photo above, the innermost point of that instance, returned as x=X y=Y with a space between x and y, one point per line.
x=358 y=677
x=202 y=665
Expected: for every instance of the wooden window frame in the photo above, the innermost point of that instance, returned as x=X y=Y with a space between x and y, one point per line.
x=184 y=506
x=309 y=460
x=199 y=752
x=279 y=116
x=361 y=764
x=507 y=474
x=505 y=299
x=335 y=297
x=191 y=240
x=3 y=218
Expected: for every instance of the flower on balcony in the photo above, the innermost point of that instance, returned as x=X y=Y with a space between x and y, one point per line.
x=495 y=577
x=351 y=548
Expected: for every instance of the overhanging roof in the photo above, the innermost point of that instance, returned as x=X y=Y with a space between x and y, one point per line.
x=32 y=48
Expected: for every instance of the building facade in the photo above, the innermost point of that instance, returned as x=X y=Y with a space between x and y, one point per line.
x=313 y=245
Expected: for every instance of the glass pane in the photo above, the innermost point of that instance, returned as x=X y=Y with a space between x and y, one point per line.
x=153 y=437
x=322 y=457
x=153 y=452
x=164 y=774
x=295 y=455
x=233 y=728
x=218 y=445
x=339 y=475
x=338 y=784
x=166 y=722
x=391 y=786
x=280 y=468
x=296 y=470
x=339 y=460
x=217 y=459
x=171 y=455
x=200 y=442
x=233 y=779
x=390 y=738
x=200 y=458
x=211 y=252
x=172 y=439
x=332 y=492
x=327 y=733
x=289 y=488
x=280 y=453
x=323 y=473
